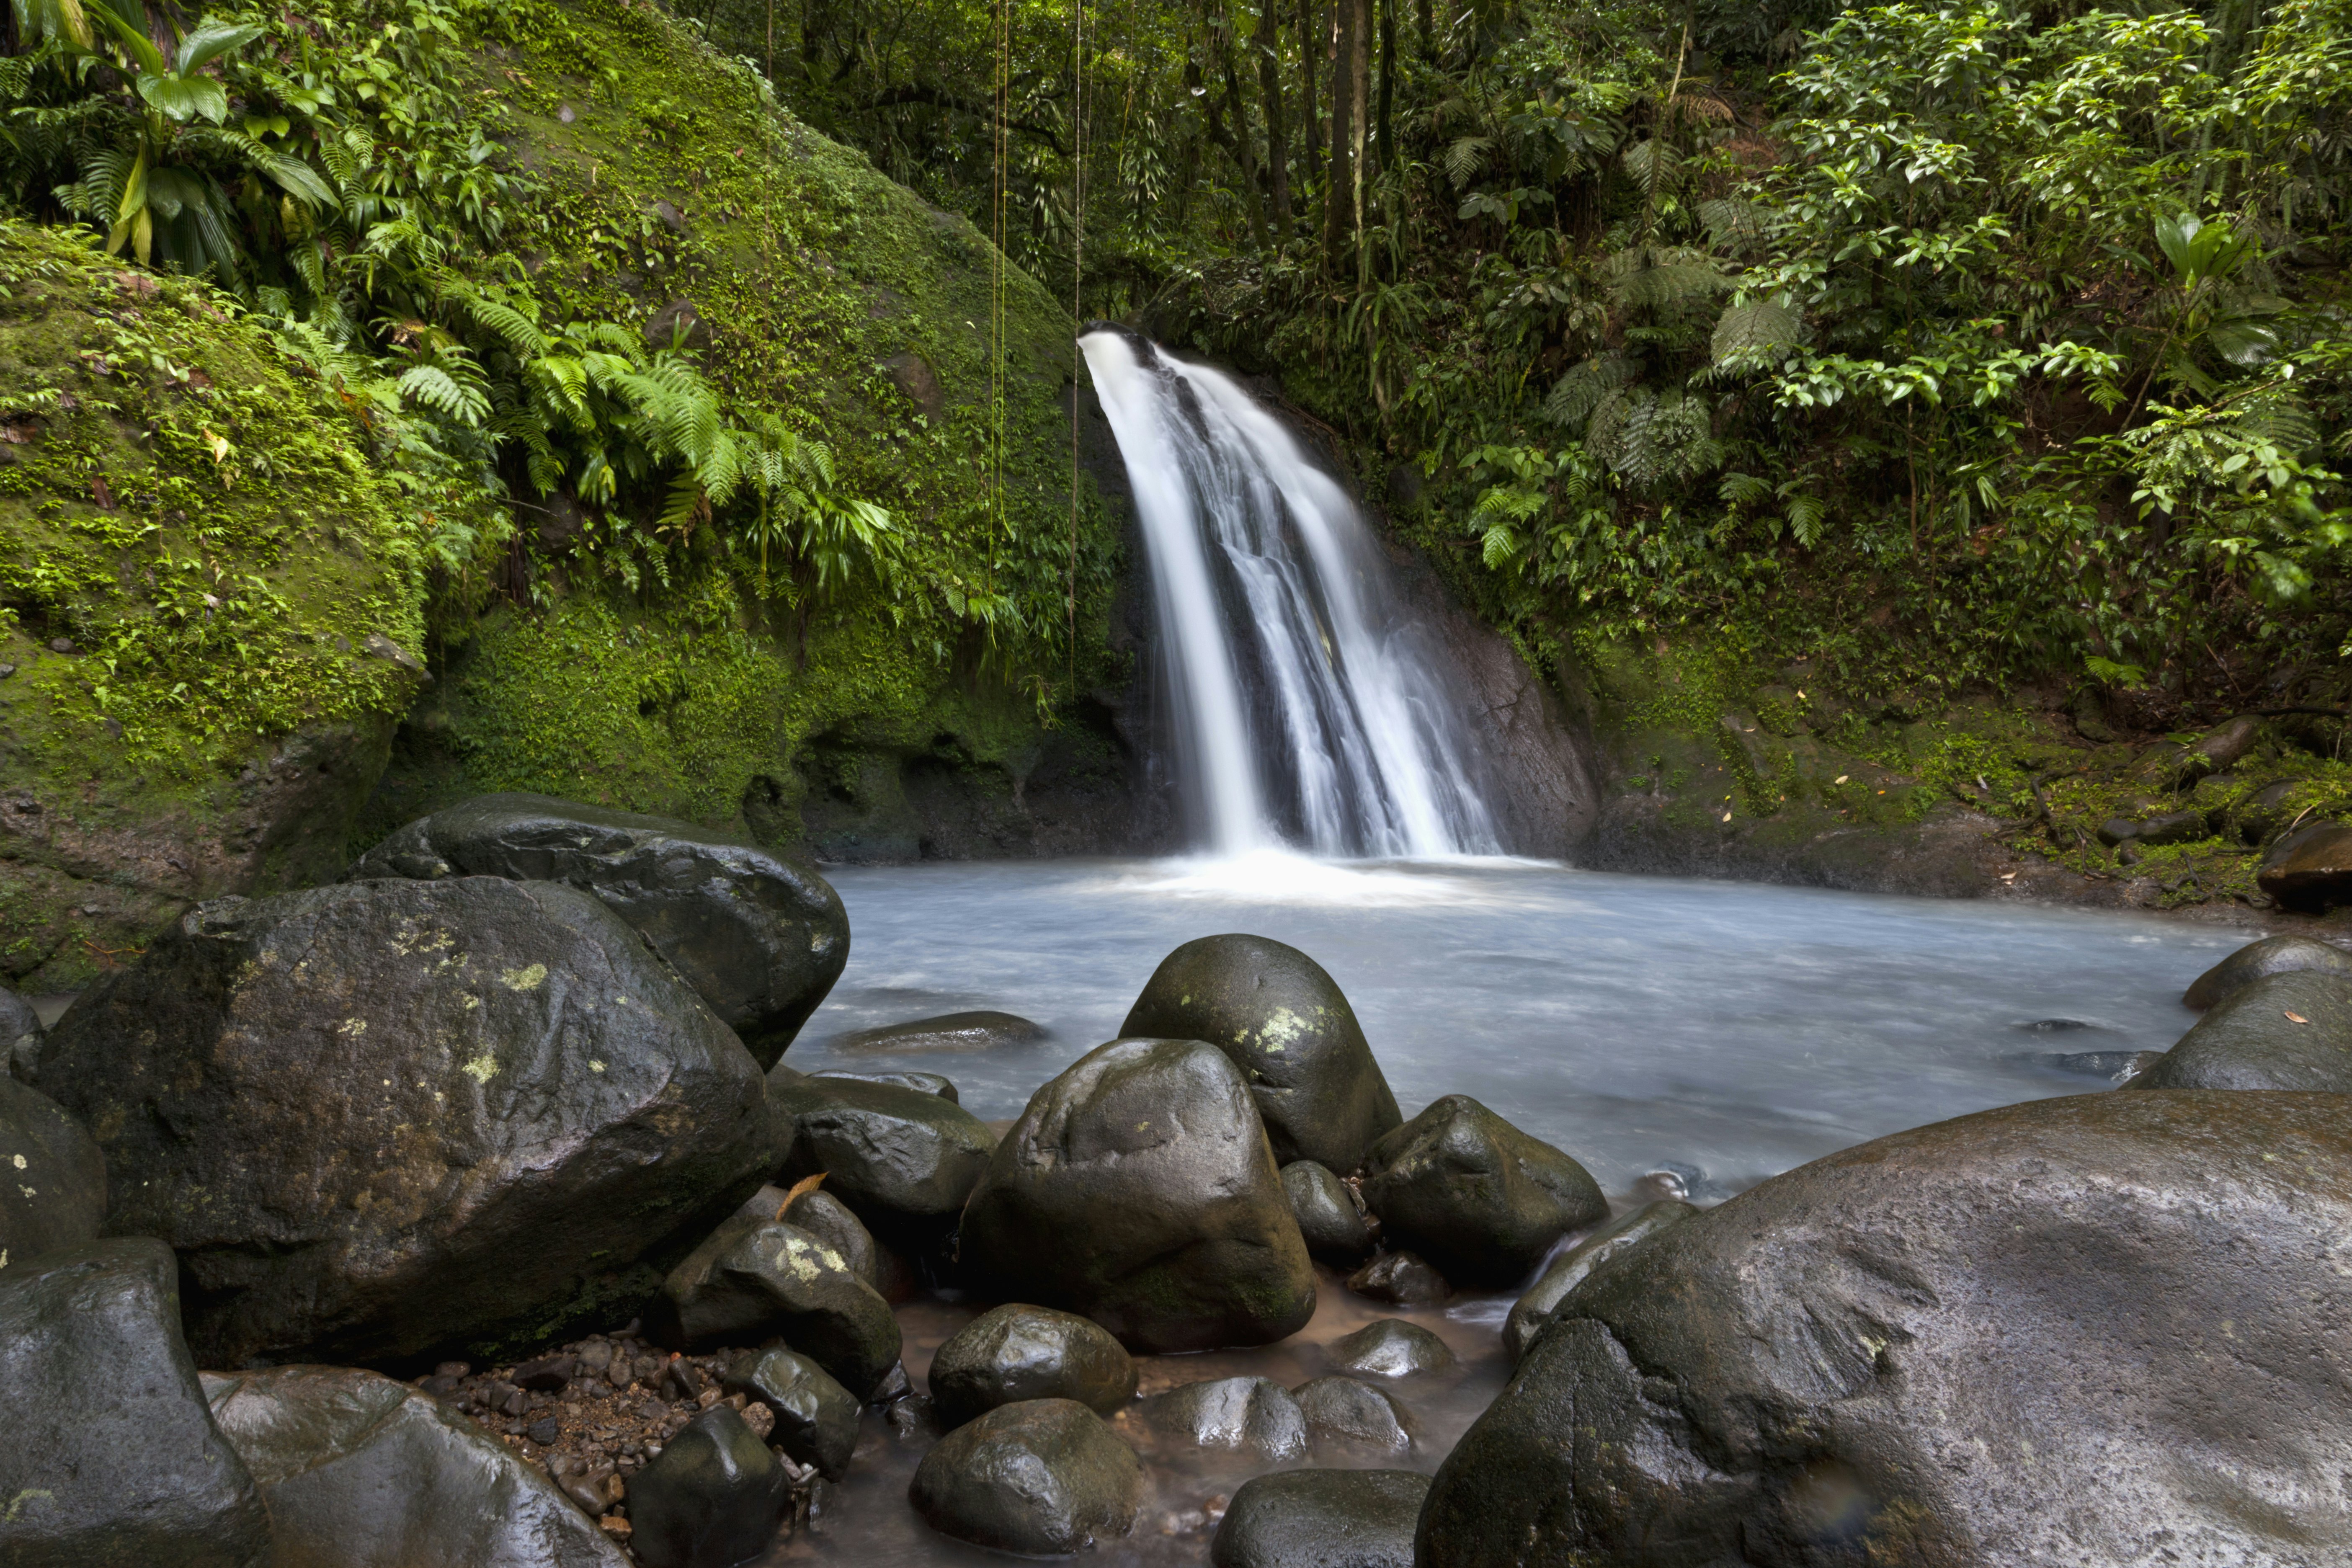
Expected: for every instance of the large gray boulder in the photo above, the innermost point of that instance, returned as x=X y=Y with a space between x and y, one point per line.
x=1138 y=1190
x=1044 y=1478
x=752 y=1279
x=362 y=1472
x=2271 y=955
x=761 y=936
x=2100 y=1331
x=52 y=1178
x=110 y=1458
x=377 y=1117
x=903 y=1160
x=2289 y=1030
x=1290 y=1031
x=1473 y=1194
x=1533 y=1311
x=1015 y=1353
x=1321 y=1519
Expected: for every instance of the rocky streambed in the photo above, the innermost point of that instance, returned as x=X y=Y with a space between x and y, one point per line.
x=469 y=1211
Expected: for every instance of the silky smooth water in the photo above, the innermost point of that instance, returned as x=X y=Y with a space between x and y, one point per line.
x=1722 y=1031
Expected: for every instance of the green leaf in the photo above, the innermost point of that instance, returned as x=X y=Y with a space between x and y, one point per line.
x=139 y=50
x=213 y=40
x=183 y=98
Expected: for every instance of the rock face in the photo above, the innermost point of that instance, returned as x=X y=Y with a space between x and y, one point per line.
x=751 y=1280
x=761 y=937
x=2310 y=868
x=1352 y=1414
x=816 y=1418
x=2291 y=1030
x=1390 y=1348
x=2271 y=955
x=112 y=1458
x=378 y=1117
x=1138 y=1190
x=1330 y=1217
x=1473 y=1194
x=52 y=1178
x=1044 y=1478
x=1532 y=1311
x=1321 y=1519
x=2099 y=1331
x=363 y=1472
x=1285 y=1024
x=1245 y=1415
x=977 y=1031
x=711 y=1499
x=1016 y=1352
x=903 y=1160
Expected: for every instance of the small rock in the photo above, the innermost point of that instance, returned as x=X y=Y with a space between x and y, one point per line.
x=2284 y=1031
x=2310 y=868
x=712 y=1498
x=1402 y=1279
x=1016 y=1352
x=1044 y=1478
x=2271 y=955
x=1344 y=1411
x=1321 y=1519
x=543 y=1432
x=921 y=1082
x=1534 y=1311
x=977 y=1031
x=815 y=1417
x=1390 y=1348
x=744 y=1284
x=61 y=644
x=378 y=646
x=1245 y=1415
x=1480 y=1199
x=1330 y=1216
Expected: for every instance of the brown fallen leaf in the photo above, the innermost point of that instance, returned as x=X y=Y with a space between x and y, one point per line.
x=2296 y=1018
x=808 y=1184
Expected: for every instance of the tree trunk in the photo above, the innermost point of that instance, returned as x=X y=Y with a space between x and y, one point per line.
x=1340 y=193
x=1428 y=32
x=1388 y=84
x=1314 y=44
x=1239 y=139
x=1360 y=105
x=1268 y=47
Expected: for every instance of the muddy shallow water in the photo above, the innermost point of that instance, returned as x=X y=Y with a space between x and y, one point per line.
x=1721 y=1032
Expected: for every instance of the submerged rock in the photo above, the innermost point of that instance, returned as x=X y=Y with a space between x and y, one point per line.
x=52 y=1178
x=1015 y=1353
x=2310 y=868
x=712 y=1498
x=1138 y=1190
x=815 y=1417
x=110 y=1457
x=2290 y=1030
x=1533 y=1311
x=2045 y=1334
x=923 y=1083
x=1330 y=1216
x=759 y=935
x=2271 y=955
x=376 y=1117
x=1290 y=1031
x=977 y=1031
x=1045 y=1478
x=1473 y=1194
x=751 y=1280
x=1402 y=1279
x=362 y=1472
x=1244 y=1414
x=902 y=1159
x=1321 y=1519
x=1351 y=1413
x=1390 y=1348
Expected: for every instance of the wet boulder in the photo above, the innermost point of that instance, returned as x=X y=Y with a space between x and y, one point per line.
x=52 y=1178
x=1473 y=1194
x=376 y=1117
x=2100 y=1331
x=1045 y=1478
x=2271 y=955
x=1253 y=1415
x=750 y=1282
x=2291 y=1030
x=926 y=1082
x=829 y=1220
x=1391 y=1347
x=1138 y=1190
x=1330 y=1216
x=815 y=1417
x=1402 y=1279
x=712 y=1498
x=1352 y=1414
x=1290 y=1031
x=975 y=1031
x=1532 y=1311
x=2310 y=868
x=761 y=936
x=112 y=1458
x=1321 y=1519
x=20 y=1038
x=363 y=1472
x=902 y=1159
x=1015 y=1353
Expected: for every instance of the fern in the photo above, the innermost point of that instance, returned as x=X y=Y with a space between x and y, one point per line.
x=1755 y=329
x=435 y=388
x=1576 y=395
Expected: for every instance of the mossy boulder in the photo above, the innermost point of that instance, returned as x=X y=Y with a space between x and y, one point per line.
x=210 y=609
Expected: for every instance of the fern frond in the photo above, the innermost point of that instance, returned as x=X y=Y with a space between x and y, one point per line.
x=1757 y=327
x=435 y=388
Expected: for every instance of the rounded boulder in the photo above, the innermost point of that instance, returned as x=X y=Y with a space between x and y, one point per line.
x=2310 y=868
x=752 y=1279
x=1390 y=1348
x=1321 y=1519
x=1253 y=1416
x=712 y=1498
x=904 y=1160
x=1475 y=1195
x=1330 y=1216
x=2291 y=1030
x=1533 y=1311
x=1045 y=1478
x=2271 y=955
x=816 y=1418
x=1015 y=1353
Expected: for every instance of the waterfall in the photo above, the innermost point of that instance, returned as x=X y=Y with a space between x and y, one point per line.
x=1310 y=712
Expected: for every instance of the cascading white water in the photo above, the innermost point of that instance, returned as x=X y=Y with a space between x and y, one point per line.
x=1308 y=710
